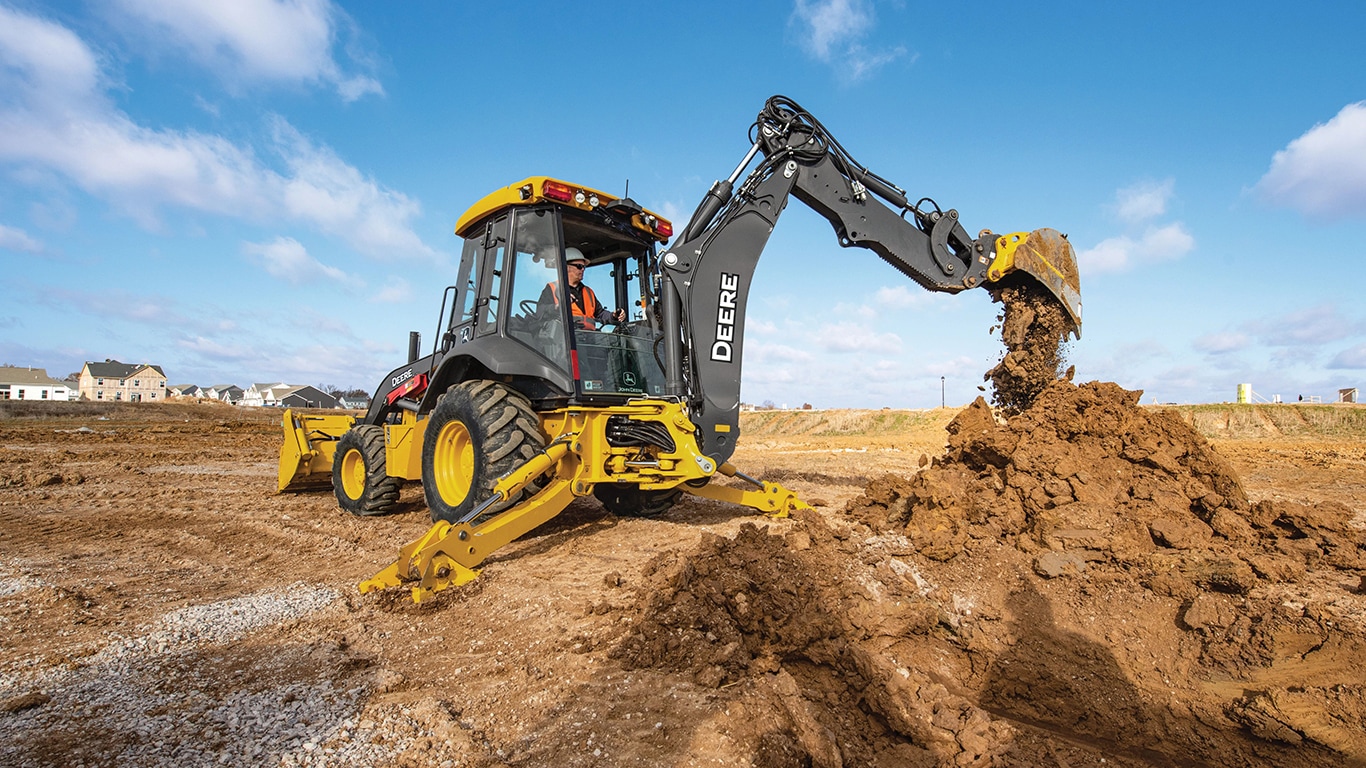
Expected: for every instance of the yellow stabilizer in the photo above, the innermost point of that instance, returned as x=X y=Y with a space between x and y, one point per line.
x=447 y=554
x=1047 y=256
x=772 y=499
x=309 y=444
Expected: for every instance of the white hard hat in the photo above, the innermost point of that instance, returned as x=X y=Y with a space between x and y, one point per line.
x=572 y=254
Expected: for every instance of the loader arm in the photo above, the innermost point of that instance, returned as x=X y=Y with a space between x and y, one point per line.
x=705 y=274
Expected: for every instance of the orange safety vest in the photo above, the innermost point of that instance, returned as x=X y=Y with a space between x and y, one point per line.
x=588 y=312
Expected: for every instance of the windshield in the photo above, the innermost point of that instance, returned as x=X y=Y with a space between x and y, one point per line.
x=535 y=271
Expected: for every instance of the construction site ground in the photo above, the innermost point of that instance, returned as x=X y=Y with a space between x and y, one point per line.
x=1011 y=598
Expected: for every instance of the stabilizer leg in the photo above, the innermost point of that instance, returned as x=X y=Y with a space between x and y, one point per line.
x=447 y=555
x=771 y=499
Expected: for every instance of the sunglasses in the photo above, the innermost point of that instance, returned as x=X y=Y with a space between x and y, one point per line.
x=578 y=266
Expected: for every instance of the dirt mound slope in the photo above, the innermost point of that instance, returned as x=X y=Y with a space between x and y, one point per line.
x=1086 y=580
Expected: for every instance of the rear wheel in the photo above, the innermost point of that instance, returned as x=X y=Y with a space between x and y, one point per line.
x=359 y=479
x=478 y=432
x=630 y=501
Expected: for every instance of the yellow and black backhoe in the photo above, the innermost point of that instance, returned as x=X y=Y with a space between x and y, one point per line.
x=525 y=403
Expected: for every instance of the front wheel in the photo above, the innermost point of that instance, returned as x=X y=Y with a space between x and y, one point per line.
x=359 y=479
x=478 y=432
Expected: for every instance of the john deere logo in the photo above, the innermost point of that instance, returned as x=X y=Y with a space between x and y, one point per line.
x=628 y=379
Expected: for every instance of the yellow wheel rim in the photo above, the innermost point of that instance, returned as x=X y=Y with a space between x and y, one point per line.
x=353 y=474
x=453 y=463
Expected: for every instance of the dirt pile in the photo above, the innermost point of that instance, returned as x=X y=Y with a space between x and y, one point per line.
x=825 y=640
x=1086 y=580
x=1034 y=329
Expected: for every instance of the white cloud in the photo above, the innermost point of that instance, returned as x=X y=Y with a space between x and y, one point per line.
x=1310 y=327
x=255 y=40
x=1144 y=201
x=1353 y=357
x=829 y=25
x=335 y=196
x=334 y=361
x=832 y=32
x=150 y=310
x=395 y=291
x=1323 y=172
x=56 y=118
x=45 y=59
x=675 y=213
x=851 y=337
x=900 y=296
x=215 y=350
x=958 y=367
x=1223 y=342
x=1119 y=254
x=754 y=325
x=287 y=259
x=14 y=239
x=763 y=352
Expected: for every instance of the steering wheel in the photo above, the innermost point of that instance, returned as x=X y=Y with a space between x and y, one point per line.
x=528 y=306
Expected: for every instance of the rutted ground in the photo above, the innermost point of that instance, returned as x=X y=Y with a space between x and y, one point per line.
x=1125 y=592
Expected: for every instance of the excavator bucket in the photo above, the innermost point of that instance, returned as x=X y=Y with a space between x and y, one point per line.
x=309 y=444
x=1047 y=256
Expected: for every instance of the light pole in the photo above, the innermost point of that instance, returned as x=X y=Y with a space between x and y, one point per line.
x=941 y=392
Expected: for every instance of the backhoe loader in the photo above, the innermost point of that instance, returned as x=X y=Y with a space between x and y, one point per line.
x=523 y=406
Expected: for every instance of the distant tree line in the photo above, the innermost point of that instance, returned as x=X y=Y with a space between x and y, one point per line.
x=336 y=391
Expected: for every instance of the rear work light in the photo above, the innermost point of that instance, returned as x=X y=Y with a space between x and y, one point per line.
x=557 y=191
x=655 y=225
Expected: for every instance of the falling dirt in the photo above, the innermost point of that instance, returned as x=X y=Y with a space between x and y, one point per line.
x=1088 y=582
x=1034 y=329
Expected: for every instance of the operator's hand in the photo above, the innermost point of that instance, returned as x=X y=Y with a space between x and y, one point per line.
x=620 y=316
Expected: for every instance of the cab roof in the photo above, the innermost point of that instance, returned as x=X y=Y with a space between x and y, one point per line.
x=543 y=189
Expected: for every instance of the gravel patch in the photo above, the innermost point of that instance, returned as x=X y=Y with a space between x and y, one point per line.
x=186 y=692
x=14 y=580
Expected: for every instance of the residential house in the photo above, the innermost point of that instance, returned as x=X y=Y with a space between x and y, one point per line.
x=306 y=397
x=112 y=381
x=227 y=393
x=21 y=383
x=354 y=403
x=289 y=396
x=258 y=395
x=182 y=390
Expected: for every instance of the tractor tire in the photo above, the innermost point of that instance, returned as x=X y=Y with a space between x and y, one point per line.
x=630 y=501
x=359 y=479
x=478 y=432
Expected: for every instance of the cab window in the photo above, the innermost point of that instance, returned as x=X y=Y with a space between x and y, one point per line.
x=534 y=314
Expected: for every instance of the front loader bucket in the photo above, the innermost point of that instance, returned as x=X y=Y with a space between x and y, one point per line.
x=309 y=444
x=1047 y=256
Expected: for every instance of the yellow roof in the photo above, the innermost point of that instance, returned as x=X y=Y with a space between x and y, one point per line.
x=543 y=189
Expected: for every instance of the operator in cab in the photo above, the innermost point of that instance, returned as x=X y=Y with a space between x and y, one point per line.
x=588 y=312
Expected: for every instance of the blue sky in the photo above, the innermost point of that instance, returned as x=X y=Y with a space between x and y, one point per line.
x=259 y=191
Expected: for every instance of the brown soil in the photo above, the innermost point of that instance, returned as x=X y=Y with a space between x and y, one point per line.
x=1087 y=582
x=1034 y=329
